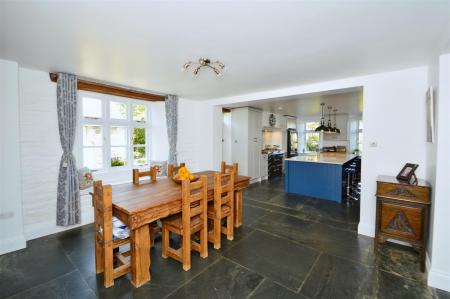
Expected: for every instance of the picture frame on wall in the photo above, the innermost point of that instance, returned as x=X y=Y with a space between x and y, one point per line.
x=430 y=114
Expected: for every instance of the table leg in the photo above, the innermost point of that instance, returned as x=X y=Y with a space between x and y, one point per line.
x=238 y=208
x=140 y=256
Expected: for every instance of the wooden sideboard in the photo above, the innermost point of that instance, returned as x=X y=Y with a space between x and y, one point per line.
x=403 y=213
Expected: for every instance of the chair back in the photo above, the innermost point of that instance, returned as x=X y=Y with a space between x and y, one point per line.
x=223 y=189
x=227 y=168
x=172 y=169
x=102 y=200
x=194 y=200
x=150 y=173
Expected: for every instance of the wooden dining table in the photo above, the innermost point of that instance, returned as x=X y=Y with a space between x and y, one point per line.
x=139 y=205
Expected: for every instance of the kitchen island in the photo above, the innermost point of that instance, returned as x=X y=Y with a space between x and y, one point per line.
x=319 y=176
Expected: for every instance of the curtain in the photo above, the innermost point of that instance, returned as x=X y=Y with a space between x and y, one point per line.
x=68 y=198
x=172 y=127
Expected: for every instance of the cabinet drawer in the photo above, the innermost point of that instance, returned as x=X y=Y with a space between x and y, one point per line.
x=401 y=220
x=404 y=192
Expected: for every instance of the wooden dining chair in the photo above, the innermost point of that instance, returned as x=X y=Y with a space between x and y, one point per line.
x=192 y=220
x=221 y=208
x=107 y=251
x=171 y=169
x=227 y=168
x=152 y=172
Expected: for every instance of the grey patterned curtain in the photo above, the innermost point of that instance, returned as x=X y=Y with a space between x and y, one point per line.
x=68 y=200
x=172 y=126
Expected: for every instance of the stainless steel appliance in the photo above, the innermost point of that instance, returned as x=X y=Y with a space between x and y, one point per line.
x=292 y=143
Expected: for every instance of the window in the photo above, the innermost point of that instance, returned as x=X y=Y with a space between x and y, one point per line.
x=114 y=132
x=311 y=137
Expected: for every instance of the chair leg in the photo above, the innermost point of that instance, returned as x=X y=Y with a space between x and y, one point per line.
x=217 y=228
x=152 y=240
x=230 y=227
x=165 y=241
x=108 y=276
x=99 y=258
x=204 y=241
x=186 y=251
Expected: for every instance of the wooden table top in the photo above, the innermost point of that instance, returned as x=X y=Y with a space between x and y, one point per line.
x=162 y=198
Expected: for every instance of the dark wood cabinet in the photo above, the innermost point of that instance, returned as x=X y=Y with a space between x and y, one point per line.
x=403 y=213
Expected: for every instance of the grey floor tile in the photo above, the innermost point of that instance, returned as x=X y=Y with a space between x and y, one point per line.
x=224 y=279
x=69 y=286
x=270 y=290
x=42 y=261
x=320 y=236
x=278 y=259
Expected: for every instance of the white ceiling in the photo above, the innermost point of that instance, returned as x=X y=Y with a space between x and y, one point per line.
x=265 y=45
x=347 y=101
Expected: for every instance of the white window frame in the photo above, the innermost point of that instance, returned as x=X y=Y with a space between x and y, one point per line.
x=106 y=122
x=305 y=133
x=358 y=131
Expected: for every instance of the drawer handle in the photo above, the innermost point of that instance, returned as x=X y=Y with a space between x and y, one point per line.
x=401 y=192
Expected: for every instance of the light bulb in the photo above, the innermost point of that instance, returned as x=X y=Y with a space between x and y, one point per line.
x=186 y=65
x=197 y=69
x=217 y=71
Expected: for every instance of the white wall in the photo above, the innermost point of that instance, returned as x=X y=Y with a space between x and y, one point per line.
x=11 y=237
x=394 y=118
x=40 y=154
x=439 y=274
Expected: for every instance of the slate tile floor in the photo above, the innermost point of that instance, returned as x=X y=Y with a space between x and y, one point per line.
x=288 y=247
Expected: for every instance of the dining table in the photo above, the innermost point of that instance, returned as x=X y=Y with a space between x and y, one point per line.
x=140 y=205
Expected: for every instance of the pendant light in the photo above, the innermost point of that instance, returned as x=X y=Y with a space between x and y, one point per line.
x=335 y=129
x=330 y=128
x=322 y=127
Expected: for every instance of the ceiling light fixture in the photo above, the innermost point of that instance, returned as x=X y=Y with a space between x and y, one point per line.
x=335 y=129
x=216 y=66
x=322 y=127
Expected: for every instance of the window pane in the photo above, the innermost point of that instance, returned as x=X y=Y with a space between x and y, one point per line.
x=361 y=125
x=311 y=126
x=312 y=141
x=92 y=135
x=118 y=156
x=140 y=158
x=92 y=108
x=118 y=136
x=93 y=158
x=118 y=110
x=139 y=113
x=138 y=136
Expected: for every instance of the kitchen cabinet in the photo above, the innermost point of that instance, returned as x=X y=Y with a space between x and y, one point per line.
x=246 y=132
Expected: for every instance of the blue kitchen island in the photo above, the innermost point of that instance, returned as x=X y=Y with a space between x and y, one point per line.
x=319 y=176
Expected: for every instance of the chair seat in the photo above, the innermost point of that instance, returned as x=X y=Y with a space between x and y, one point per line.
x=225 y=211
x=176 y=221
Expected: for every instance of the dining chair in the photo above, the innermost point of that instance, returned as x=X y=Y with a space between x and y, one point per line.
x=107 y=246
x=221 y=208
x=152 y=172
x=226 y=168
x=172 y=169
x=191 y=220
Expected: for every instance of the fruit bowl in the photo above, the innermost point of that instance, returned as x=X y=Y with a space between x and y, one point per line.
x=178 y=181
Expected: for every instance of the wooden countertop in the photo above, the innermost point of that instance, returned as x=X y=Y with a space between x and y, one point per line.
x=328 y=158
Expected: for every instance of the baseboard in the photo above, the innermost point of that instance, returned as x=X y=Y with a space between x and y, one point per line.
x=12 y=244
x=366 y=230
x=439 y=279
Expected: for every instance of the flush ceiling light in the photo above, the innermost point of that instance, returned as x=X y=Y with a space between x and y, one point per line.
x=216 y=66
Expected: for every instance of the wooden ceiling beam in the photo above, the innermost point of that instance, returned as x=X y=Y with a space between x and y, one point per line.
x=113 y=90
